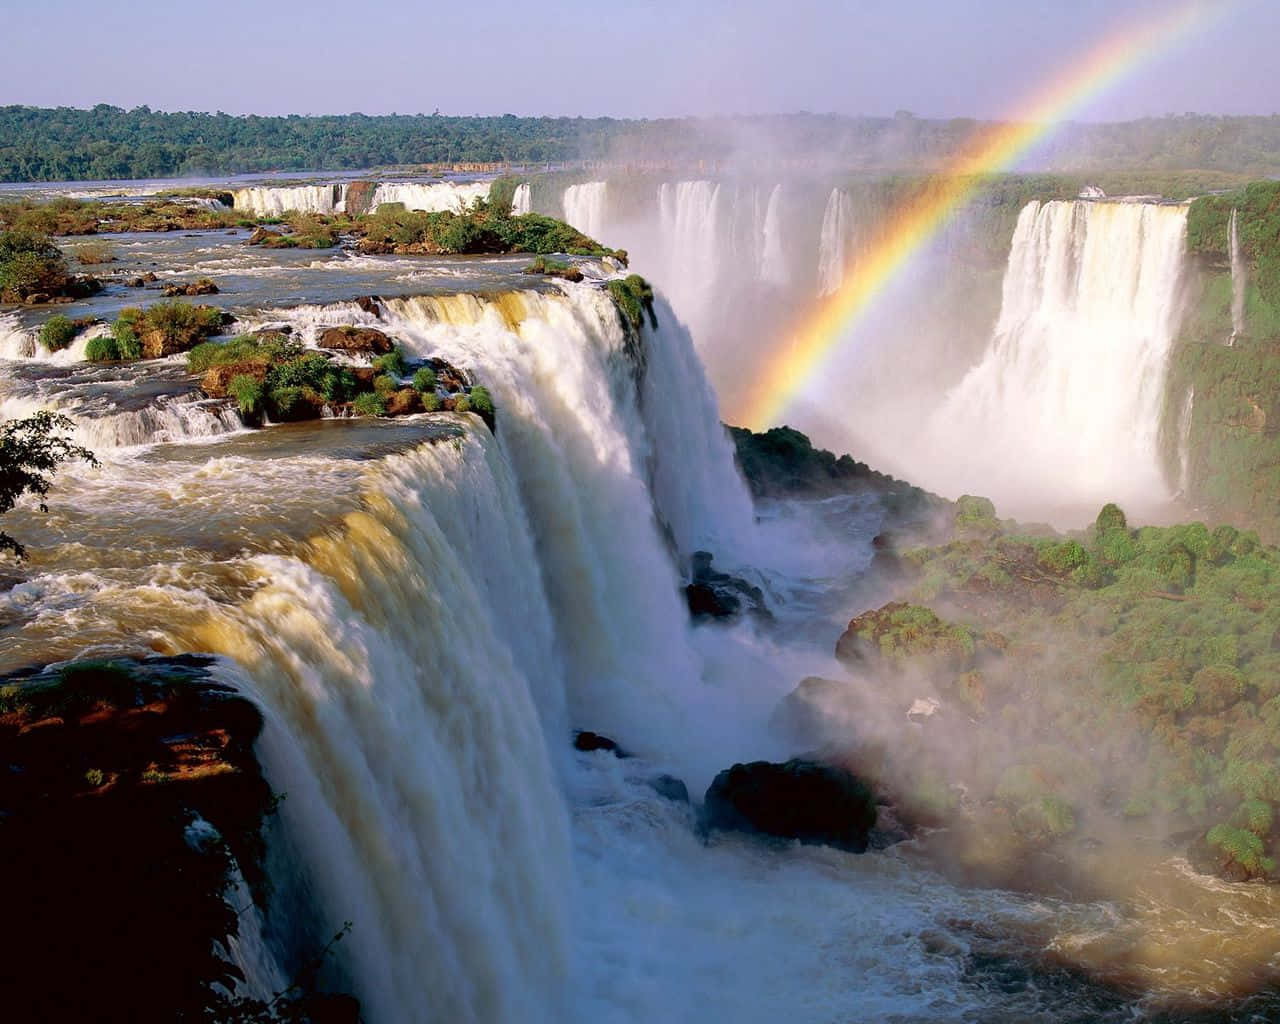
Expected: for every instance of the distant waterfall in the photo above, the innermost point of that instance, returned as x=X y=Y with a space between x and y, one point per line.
x=773 y=256
x=584 y=207
x=837 y=225
x=1068 y=399
x=430 y=197
x=1238 y=279
x=522 y=199
x=274 y=200
x=1185 y=418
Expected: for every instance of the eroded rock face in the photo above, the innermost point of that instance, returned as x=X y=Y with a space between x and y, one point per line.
x=363 y=340
x=808 y=800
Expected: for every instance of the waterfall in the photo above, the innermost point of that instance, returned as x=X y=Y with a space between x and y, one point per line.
x=275 y=200
x=522 y=199
x=430 y=197
x=1068 y=397
x=837 y=226
x=773 y=256
x=1238 y=279
x=584 y=207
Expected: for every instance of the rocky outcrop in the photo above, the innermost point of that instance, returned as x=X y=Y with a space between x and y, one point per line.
x=898 y=636
x=717 y=595
x=130 y=790
x=358 y=340
x=201 y=287
x=588 y=741
x=816 y=803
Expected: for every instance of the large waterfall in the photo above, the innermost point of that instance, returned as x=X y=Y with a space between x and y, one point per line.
x=1068 y=399
x=434 y=196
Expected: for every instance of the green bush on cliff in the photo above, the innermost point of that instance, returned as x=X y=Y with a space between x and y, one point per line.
x=369 y=404
x=391 y=362
x=634 y=298
x=424 y=380
x=431 y=402
x=58 y=332
x=481 y=401
x=1242 y=846
x=248 y=393
x=102 y=349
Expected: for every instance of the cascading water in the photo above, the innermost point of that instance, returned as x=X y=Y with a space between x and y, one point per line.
x=522 y=199
x=274 y=200
x=1238 y=279
x=430 y=197
x=1068 y=398
x=833 y=242
x=774 y=268
x=584 y=207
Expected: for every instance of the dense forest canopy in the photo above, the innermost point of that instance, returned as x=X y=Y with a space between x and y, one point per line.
x=107 y=142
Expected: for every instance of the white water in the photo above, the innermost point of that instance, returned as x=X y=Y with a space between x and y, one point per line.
x=1239 y=280
x=1068 y=398
x=774 y=268
x=833 y=243
x=1185 y=419
x=584 y=208
x=430 y=197
x=274 y=200
x=522 y=199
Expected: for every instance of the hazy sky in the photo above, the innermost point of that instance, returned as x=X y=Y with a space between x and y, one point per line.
x=938 y=58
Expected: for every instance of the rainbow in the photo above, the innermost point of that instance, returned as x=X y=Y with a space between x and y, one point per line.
x=994 y=148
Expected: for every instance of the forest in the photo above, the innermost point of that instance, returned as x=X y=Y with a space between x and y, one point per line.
x=106 y=142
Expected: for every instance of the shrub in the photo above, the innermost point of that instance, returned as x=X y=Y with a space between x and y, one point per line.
x=431 y=402
x=481 y=401
x=369 y=404
x=1065 y=557
x=462 y=404
x=94 y=777
x=1111 y=517
x=29 y=263
x=424 y=380
x=57 y=333
x=1242 y=846
x=285 y=400
x=634 y=298
x=92 y=253
x=384 y=384
x=248 y=393
x=128 y=344
x=392 y=363
x=102 y=350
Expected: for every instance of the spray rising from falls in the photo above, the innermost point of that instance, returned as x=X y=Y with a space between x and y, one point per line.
x=1068 y=398
x=833 y=243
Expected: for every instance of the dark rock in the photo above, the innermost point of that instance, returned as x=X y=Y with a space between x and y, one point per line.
x=588 y=741
x=670 y=788
x=818 y=713
x=367 y=340
x=36 y=299
x=149 y=278
x=717 y=595
x=369 y=304
x=261 y=236
x=816 y=803
x=201 y=287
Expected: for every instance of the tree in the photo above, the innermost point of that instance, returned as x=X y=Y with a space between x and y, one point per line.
x=30 y=450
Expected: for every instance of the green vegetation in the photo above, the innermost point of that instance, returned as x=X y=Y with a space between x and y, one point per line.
x=554 y=268
x=58 y=332
x=1155 y=651
x=248 y=392
x=634 y=298
x=31 y=450
x=66 y=216
x=424 y=380
x=1232 y=436
x=30 y=264
x=109 y=142
x=391 y=363
x=481 y=402
x=104 y=349
x=369 y=404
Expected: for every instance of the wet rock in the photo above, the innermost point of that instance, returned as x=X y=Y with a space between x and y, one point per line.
x=261 y=236
x=369 y=304
x=670 y=788
x=818 y=713
x=363 y=340
x=36 y=299
x=816 y=803
x=404 y=402
x=589 y=741
x=717 y=595
x=201 y=287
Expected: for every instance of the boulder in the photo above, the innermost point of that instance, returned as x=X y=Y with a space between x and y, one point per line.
x=202 y=287
x=261 y=236
x=813 y=802
x=404 y=402
x=588 y=741
x=369 y=303
x=670 y=788
x=818 y=713
x=364 y=340
x=717 y=595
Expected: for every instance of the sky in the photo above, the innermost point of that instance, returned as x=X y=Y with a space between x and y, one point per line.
x=936 y=58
